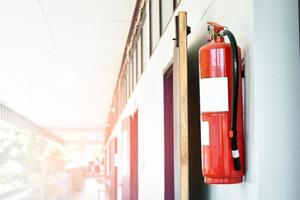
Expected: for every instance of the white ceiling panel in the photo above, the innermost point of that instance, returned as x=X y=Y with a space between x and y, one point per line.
x=89 y=10
x=19 y=10
x=59 y=59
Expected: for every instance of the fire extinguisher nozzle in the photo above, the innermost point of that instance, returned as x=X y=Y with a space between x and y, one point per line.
x=237 y=164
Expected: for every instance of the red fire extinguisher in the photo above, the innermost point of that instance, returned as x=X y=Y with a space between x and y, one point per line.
x=222 y=146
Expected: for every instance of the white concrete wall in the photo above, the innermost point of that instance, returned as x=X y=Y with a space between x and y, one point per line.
x=277 y=99
x=238 y=17
x=267 y=32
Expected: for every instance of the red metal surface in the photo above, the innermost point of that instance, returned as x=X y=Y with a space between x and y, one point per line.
x=217 y=162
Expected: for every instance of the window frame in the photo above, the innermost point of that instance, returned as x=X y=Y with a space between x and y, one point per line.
x=137 y=66
x=142 y=49
x=132 y=73
x=153 y=46
x=128 y=80
x=174 y=6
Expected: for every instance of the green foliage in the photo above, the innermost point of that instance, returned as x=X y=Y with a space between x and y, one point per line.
x=21 y=153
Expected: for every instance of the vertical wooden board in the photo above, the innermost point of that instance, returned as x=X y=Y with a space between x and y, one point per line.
x=183 y=94
x=181 y=111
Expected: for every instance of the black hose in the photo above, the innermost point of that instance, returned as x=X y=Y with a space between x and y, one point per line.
x=235 y=91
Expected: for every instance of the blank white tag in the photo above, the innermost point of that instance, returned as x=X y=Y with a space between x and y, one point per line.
x=204 y=133
x=214 y=94
x=235 y=154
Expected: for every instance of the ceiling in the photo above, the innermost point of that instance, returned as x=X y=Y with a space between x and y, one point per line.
x=59 y=60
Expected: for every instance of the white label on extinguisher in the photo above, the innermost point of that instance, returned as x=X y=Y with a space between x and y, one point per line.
x=235 y=154
x=204 y=133
x=214 y=94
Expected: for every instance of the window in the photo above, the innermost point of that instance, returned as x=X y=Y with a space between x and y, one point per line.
x=134 y=67
x=145 y=45
x=113 y=109
x=166 y=12
x=128 y=80
x=176 y=3
x=132 y=74
x=155 y=30
x=139 y=57
x=145 y=36
x=124 y=91
x=121 y=96
x=117 y=106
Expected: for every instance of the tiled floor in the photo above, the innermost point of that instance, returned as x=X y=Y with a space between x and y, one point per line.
x=92 y=190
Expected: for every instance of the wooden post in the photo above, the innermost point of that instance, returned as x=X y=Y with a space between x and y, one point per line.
x=181 y=110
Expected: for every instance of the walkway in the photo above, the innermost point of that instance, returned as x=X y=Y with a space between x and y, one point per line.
x=92 y=190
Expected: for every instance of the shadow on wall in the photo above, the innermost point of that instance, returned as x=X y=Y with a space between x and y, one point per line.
x=198 y=189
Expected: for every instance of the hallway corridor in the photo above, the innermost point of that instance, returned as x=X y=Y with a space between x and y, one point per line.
x=92 y=190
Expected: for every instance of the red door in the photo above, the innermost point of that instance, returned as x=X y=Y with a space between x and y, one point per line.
x=134 y=157
x=113 y=169
x=125 y=156
x=130 y=158
x=169 y=135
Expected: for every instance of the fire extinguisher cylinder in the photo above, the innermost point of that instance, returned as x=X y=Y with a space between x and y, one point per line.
x=222 y=143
